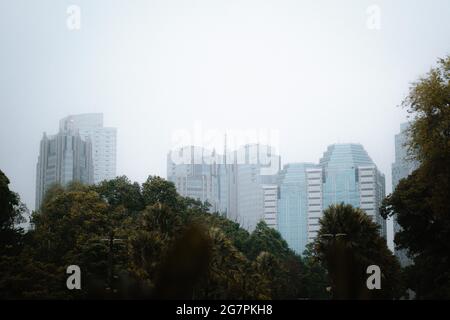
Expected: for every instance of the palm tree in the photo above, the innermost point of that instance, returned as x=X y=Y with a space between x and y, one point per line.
x=347 y=243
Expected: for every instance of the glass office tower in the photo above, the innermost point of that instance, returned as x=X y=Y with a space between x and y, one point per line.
x=63 y=158
x=194 y=171
x=347 y=174
x=103 y=140
x=292 y=219
x=241 y=185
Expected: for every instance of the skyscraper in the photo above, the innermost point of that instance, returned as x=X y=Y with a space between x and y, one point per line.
x=346 y=174
x=242 y=184
x=401 y=168
x=270 y=198
x=63 y=158
x=194 y=171
x=292 y=218
x=103 y=139
x=256 y=168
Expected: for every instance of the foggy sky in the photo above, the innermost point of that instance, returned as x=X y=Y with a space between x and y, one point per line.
x=311 y=70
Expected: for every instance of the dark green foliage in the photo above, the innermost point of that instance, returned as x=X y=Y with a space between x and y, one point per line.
x=347 y=243
x=422 y=200
x=264 y=238
x=11 y=213
x=121 y=192
x=186 y=262
x=314 y=277
x=157 y=190
x=23 y=277
x=273 y=259
x=173 y=248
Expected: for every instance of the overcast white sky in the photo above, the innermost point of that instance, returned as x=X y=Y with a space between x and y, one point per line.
x=312 y=70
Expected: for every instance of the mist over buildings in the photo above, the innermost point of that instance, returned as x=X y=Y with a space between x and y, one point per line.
x=313 y=72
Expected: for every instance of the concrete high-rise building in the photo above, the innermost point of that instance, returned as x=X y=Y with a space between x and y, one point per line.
x=270 y=199
x=401 y=168
x=253 y=178
x=63 y=158
x=314 y=188
x=292 y=217
x=347 y=174
x=195 y=173
x=242 y=184
x=103 y=139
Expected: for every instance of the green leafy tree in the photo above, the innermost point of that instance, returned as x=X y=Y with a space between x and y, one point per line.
x=347 y=243
x=276 y=274
x=314 y=278
x=121 y=192
x=421 y=201
x=230 y=274
x=157 y=228
x=265 y=238
x=68 y=220
x=232 y=230
x=24 y=277
x=12 y=212
x=185 y=263
x=158 y=190
x=75 y=225
x=166 y=246
x=266 y=246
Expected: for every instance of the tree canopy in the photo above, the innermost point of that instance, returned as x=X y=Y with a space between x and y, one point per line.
x=147 y=242
x=421 y=202
x=12 y=212
x=348 y=242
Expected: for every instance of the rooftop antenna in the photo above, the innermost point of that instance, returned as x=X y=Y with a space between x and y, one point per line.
x=225 y=149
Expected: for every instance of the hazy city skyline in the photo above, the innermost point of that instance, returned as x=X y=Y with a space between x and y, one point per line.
x=312 y=71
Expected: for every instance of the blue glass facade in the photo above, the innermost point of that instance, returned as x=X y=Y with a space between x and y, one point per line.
x=340 y=173
x=292 y=219
x=350 y=176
